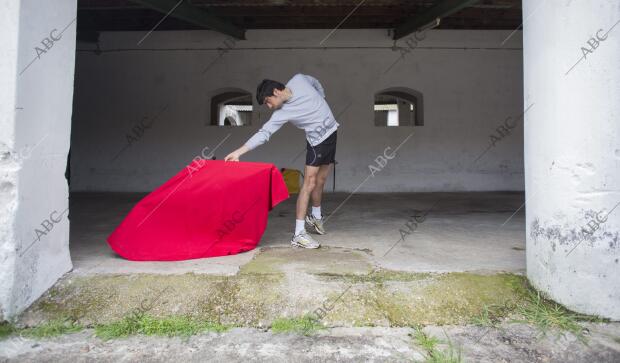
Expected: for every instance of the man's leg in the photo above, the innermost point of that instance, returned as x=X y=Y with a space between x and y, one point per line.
x=301 y=237
x=310 y=182
x=315 y=219
x=317 y=192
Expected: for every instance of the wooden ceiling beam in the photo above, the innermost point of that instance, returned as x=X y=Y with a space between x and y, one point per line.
x=194 y=15
x=442 y=9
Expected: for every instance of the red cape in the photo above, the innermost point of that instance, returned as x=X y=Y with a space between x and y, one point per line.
x=210 y=208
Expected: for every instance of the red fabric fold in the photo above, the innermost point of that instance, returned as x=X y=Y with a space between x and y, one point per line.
x=210 y=208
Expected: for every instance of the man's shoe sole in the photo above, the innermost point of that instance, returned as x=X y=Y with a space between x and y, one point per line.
x=299 y=245
x=313 y=226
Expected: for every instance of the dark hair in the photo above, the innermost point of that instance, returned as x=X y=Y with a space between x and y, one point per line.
x=265 y=89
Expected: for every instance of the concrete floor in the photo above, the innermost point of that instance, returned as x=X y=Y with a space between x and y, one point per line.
x=367 y=315
x=461 y=232
x=508 y=343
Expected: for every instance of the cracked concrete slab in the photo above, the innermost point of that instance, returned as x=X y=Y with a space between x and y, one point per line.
x=508 y=343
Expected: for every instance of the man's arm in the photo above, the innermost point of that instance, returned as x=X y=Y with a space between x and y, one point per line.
x=316 y=84
x=278 y=118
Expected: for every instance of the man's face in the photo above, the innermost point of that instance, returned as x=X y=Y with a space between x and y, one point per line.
x=275 y=102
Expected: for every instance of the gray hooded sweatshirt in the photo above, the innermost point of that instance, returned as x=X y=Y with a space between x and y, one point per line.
x=306 y=109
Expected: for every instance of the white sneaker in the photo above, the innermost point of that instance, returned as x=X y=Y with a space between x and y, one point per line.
x=316 y=224
x=304 y=240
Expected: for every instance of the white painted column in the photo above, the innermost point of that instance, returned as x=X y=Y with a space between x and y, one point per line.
x=572 y=152
x=36 y=94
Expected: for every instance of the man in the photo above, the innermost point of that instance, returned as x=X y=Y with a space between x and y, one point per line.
x=302 y=103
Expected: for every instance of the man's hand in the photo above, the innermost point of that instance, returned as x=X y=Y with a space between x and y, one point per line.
x=235 y=155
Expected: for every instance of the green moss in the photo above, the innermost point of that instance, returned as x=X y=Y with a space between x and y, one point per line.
x=264 y=263
x=148 y=325
x=78 y=300
x=456 y=298
x=376 y=276
x=51 y=329
x=238 y=300
x=324 y=260
x=6 y=329
x=282 y=282
x=305 y=325
x=242 y=300
x=401 y=300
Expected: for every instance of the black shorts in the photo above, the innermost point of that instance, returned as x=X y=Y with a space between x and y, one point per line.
x=323 y=153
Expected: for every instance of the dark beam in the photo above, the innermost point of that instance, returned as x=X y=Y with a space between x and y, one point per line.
x=194 y=15
x=441 y=10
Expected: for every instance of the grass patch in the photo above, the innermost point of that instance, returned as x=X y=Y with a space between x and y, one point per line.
x=433 y=353
x=51 y=328
x=148 y=325
x=426 y=342
x=6 y=329
x=305 y=325
x=534 y=309
x=546 y=314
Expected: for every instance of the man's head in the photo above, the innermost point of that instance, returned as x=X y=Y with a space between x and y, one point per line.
x=272 y=93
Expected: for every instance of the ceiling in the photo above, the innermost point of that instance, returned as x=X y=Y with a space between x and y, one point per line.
x=235 y=16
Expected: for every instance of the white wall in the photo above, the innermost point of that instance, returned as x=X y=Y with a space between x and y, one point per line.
x=35 y=109
x=471 y=84
x=572 y=153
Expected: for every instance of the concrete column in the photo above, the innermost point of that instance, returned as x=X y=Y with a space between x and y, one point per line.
x=36 y=93
x=571 y=53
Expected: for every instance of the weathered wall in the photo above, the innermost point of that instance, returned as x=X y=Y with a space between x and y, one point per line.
x=471 y=83
x=36 y=70
x=572 y=152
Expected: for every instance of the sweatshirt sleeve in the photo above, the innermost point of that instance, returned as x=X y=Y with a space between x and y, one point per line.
x=316 y=84
x=277 y=119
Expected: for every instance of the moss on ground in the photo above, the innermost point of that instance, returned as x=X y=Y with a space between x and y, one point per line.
x=382 y=298
x=377 y=276
x=6 y=329
x=402 y=299
x=280 y=283
x=314 y=261
x=264 y=263
x=245 y=300
x=238 y=300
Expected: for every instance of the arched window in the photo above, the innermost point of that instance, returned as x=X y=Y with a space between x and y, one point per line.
x=231 y=108
x=399 y=107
